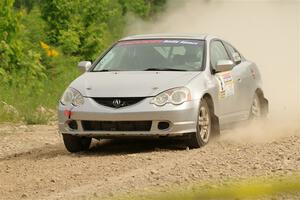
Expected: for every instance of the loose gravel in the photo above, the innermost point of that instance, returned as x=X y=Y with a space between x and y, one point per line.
x=35 y=165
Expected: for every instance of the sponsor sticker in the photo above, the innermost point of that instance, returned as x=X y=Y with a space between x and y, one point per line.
x=226 y=84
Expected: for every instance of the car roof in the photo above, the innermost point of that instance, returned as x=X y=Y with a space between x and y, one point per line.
x=169 y=36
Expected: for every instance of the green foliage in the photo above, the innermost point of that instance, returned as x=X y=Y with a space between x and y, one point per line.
x=27 y=4
x=139 y=7
x=19 y=66
x=57 y=14
x=41 y=42
x=142 y=8
x=8 y=28
x=84 y=27
x=69 y=41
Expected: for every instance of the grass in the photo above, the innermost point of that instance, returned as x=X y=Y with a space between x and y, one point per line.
x=250 y=189
x=30 y=108
x=37 y=105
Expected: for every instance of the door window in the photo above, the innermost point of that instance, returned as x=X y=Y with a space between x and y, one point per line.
x=217 y=52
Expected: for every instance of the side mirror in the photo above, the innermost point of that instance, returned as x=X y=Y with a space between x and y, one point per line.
x=84 y=65
x=236 y=57
x=224 y=65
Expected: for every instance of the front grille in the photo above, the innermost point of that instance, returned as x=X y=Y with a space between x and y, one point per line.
x=116 y=125
x=118 y=102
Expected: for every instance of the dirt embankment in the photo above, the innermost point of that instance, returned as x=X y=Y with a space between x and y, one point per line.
x=35 y=165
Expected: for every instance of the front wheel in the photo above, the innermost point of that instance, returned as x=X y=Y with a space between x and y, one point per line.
x=204 y=126
x=76 y=144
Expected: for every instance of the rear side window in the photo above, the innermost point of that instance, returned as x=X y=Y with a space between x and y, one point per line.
x=233 y=52
x=217 y=52
x=230 y=48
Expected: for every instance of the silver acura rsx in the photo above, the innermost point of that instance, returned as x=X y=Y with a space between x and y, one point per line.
x=161 y=86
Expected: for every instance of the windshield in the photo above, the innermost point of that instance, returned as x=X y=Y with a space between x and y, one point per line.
x=153 y=55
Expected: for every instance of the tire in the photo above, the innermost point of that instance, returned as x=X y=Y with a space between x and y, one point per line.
x=256 y=111
x=204 y=126
x=76 y=144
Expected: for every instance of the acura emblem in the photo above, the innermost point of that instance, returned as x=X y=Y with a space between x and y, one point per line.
x=117 y=103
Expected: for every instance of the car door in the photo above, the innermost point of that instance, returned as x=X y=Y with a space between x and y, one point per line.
x=227 y=89
x=245 y=83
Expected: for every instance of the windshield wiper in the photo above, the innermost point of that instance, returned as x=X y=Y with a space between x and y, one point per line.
x=163 y=69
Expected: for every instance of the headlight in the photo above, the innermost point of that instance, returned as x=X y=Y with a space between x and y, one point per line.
x=72 y=96
x=174 y=96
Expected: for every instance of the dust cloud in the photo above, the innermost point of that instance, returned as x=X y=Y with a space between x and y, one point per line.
x=266 y=32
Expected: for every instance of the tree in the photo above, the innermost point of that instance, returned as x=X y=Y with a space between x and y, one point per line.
x=86 y=27
x=17 y=66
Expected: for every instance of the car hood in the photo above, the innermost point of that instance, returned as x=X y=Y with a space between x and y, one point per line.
x=130 y=84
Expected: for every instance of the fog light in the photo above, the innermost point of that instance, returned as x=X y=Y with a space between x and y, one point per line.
x=163 y=125
x=72 y=125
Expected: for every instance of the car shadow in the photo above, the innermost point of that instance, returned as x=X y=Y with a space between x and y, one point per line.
x=102 y=148
x=130 y=146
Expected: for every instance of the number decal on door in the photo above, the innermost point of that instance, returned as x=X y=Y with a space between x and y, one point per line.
x=226 y=84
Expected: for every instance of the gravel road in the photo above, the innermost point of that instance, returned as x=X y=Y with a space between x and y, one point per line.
x=35 y=165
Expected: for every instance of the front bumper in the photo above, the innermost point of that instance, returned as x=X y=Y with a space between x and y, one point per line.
x=182 y=118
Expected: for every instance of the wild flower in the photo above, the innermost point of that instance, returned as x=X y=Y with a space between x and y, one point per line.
x=50 y=51
x=44 y=45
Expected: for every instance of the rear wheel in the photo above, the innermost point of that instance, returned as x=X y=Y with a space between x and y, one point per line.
x=76 y=144
x=204 y=126
x=256 y=108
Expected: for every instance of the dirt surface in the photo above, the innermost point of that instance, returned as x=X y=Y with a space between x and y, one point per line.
x=35 y=165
